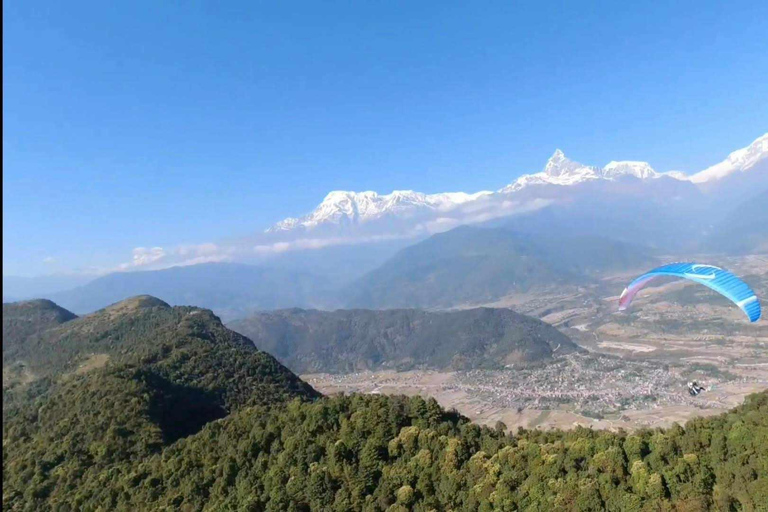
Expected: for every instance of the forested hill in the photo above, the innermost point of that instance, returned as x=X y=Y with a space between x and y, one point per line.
x=186 y=346
x=350 y=340
x=377 y=453
x=146 y=407
x=22 y=319
x=118 y=385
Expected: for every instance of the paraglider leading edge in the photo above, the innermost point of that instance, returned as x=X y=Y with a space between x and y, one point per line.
x=722 y=281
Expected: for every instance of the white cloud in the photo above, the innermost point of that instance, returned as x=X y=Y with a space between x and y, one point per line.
x=484 y=209
x=143 y=256
x=320 y=243
x=471 y=213
x=49 y=260
x=157 y=258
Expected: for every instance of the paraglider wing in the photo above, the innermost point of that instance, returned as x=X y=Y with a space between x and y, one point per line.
x=713 y=277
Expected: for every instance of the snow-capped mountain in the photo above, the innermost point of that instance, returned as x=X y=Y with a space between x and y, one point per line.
x=739 y=161
x=344 y=208
x=349 y=208
x=562 y=171
x=559 y=171
x=641 y=170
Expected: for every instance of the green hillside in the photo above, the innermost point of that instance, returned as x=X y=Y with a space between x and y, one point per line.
x=187 y=415
x=184 y=346
x=351 y=340
x=23 y=319
x=377 y=453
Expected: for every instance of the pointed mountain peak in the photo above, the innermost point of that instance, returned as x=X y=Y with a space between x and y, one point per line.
x=560 y=165
x=557 y=159
x=558 y=155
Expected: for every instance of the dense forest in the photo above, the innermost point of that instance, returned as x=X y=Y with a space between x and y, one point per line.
x=187 y=415
x=350 y=340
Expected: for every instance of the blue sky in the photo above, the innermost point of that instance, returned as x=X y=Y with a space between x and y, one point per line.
x=130 y=124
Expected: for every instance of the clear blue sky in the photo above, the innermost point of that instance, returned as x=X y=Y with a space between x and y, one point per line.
x=156 y=123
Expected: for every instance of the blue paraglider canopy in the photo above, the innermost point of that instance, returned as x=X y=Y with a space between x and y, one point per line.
x=711 y=276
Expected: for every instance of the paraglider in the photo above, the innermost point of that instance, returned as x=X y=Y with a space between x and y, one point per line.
x=694 y=388
x=711 y=276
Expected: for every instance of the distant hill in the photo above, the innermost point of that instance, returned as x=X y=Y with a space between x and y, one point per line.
x=23 y=319
x=351 y=340
x=469 y=265
x=230 y=289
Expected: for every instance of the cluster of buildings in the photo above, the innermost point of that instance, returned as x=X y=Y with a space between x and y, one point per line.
x=588 y=383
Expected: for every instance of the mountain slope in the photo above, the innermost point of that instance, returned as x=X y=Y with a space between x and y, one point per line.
x=666 y=214
x=184 y=346
x=23 y=319
x=473 y=266
x=345 y=341
x=117 y=387
x=396 y=453
x=229 y=289
x=739 y=161
x=744 y=230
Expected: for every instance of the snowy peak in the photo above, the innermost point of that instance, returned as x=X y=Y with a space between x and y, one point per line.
x=641 y=170
x=559 y=165
x=342 y=207
x=738 y=161
x=284 y=225
x=559 y=170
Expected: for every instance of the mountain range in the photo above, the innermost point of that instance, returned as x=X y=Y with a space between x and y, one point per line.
x=231 y=289
x=345 y=209
x=408 y=249
x=465 y=266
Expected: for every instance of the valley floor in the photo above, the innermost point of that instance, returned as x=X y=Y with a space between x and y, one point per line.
x=636 y=371
x=472 y=399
